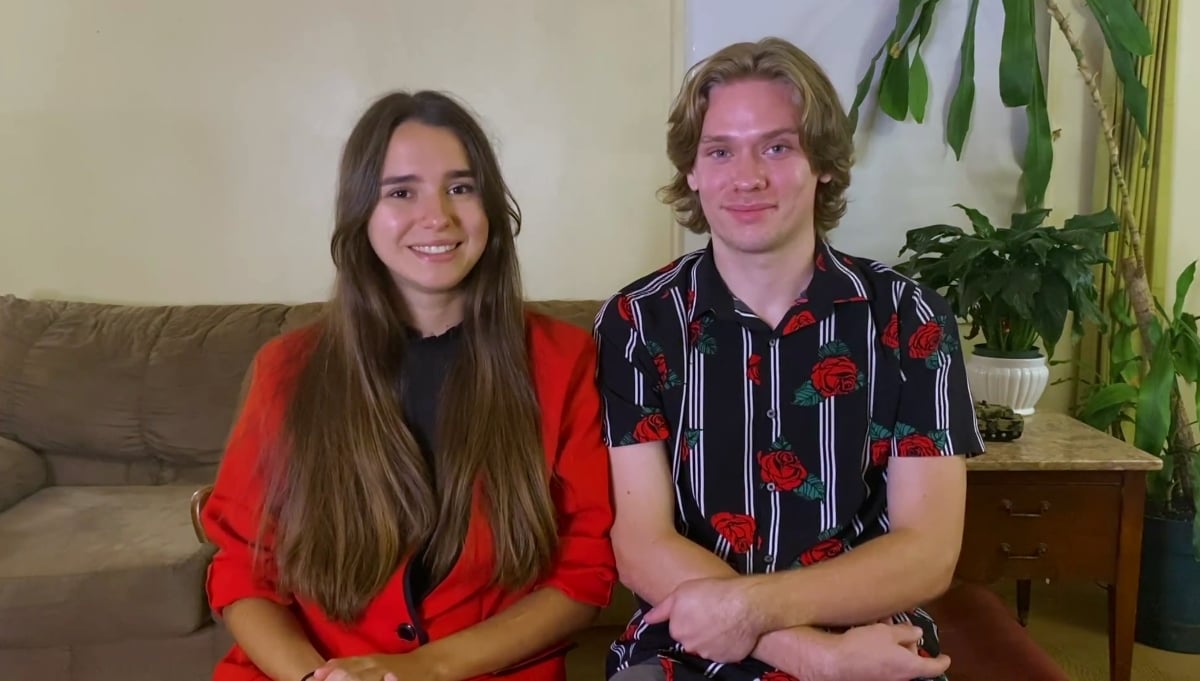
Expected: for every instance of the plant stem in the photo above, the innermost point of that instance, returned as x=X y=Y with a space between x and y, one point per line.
x=1133 y=267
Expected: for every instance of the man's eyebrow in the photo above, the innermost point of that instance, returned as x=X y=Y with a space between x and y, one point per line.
x=778 y=132
x=412 y=177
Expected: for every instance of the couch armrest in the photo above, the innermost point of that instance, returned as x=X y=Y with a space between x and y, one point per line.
x=22 y=472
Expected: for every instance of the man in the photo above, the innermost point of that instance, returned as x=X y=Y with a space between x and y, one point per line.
x=787 y=423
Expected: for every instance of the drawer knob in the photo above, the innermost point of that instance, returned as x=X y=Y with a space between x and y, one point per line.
x=1006 y=548
x=1007 y=505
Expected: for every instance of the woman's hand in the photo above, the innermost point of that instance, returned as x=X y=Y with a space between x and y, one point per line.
x=410 y=667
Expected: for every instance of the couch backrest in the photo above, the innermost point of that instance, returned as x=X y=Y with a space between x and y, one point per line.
x=115 y=394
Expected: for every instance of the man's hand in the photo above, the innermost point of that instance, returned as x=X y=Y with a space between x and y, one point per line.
x=712 y=618
x=878 y=652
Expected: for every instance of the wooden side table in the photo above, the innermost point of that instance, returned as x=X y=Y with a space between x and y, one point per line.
x=1063 y=502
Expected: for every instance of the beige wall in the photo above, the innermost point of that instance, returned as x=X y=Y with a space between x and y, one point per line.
x=171 y=152
x=1184 y=236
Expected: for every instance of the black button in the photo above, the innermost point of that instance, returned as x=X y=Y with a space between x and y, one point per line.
x=768 y=558
x=407 y=632
x=770 y=413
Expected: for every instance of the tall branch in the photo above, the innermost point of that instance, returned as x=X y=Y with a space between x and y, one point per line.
x=1134 y=267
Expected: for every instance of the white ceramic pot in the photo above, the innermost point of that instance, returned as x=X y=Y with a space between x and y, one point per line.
x=1016 y=382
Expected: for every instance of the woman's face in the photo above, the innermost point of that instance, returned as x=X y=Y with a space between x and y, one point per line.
x=428 y=227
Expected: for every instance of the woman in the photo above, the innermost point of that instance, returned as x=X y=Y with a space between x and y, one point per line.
x=416 y=487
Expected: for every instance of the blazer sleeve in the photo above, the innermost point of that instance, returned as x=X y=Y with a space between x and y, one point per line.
x=586 y=568
x=244 y=567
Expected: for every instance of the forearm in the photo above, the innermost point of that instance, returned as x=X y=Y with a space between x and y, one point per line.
x=529 y=626
x=657 y=569
x=902 y=572
x=272 y=639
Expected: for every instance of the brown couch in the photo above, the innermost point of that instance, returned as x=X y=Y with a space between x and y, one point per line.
x=110 y=418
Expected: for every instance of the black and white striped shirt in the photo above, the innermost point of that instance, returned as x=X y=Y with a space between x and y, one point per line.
x=779 y=439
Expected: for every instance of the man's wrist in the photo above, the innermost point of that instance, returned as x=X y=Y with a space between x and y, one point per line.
x=805 y=653
x=760 y=596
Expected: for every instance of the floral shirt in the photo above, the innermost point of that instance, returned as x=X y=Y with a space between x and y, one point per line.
x=779 y=439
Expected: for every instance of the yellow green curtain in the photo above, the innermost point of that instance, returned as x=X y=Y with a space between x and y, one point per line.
x=1145 y=162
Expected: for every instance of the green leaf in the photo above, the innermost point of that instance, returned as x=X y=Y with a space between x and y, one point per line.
x=905 y=14
x=833 y=348
x=1101 y=221
x=1186 y=351
x=918 y=88
x=878 y=432
x=1154 y=402
x=864 y=87
x=1126 y=25
x=1022 y=286
x=1050 y=309
x=1113 y=395
x=920 y=239
x=781 y=444
x=1182 y=285
x=933 y=362
x=959 y=119
x=893 y=88
x=1137 y=98
x=941 y=438
x=1022 y=222
x=903 y=430
x=1018 y=54
x=806 y=395
x=813 y=489
x=983 y=226
x=1039 y=146
x=707 y=345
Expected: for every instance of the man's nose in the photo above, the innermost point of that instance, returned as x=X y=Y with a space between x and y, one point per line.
x=749 y=174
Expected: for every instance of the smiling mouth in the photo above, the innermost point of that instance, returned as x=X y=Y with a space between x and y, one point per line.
x=436 y=250
x=751 y=208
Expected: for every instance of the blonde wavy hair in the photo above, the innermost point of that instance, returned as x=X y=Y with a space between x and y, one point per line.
x=825 y=132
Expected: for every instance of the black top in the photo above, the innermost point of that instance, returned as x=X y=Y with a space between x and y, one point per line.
x=427 y=362
x=779 y=438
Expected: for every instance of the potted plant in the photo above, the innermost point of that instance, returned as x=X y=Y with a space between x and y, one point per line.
x=1137 y=396
x=1015 y=286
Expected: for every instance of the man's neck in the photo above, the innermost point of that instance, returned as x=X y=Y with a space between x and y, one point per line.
x=768 y=283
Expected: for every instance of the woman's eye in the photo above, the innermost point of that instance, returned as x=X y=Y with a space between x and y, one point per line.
x=399 y=194
x=462 y=189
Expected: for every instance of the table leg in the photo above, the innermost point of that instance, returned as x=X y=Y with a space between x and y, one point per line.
x=1122 y=595
x=1023 y=586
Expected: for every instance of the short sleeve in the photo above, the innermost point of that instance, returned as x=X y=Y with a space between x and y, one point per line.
x=633 y=408
x=936 y=413
x=243 y=566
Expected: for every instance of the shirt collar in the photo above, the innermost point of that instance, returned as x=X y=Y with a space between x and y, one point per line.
x=836 y=279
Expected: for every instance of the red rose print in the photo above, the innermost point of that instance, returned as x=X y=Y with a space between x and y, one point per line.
x=668 y=668
x=777 y=676
x=625 y=308
x=891 y=333
x=782 y=469
x=917 y=445
x=836 y=375
x=737 y=529
x=798 y=321
x=660 y=363
x=652 y=428
x=822 y=551
x=691 y=299
x=752 y=369
x=694 y=332
x=821 y=261
x=925 y=340
x=880 y=451
x=921 y=652
x=630 y=632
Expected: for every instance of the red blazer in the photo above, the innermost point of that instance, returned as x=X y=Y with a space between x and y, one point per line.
x=564 y=364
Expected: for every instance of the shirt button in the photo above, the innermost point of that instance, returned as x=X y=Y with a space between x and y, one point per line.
x=771 y=413
x=769 y=558
x=773 y=342
x=407 y=632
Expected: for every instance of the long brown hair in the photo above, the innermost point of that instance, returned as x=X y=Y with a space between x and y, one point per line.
x=825 y=132
x=349 y=491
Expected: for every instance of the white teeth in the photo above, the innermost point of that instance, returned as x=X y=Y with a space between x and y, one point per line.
x=434 y=250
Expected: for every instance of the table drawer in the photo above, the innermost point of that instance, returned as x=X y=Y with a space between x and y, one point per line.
x=1040 y=531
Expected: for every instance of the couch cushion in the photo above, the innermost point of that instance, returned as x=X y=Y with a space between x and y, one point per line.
x=22 y=472
x=93 y=564
x=129 y=383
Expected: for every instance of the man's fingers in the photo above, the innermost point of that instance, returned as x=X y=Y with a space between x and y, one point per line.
x=660 y=612
x=907 y=635
x=930 y=667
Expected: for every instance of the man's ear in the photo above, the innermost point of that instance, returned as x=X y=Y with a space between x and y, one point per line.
x=825 y=178
x=691 y=180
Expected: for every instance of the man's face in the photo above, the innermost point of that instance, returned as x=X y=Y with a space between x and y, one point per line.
x=755 y=183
